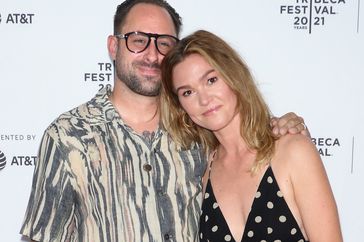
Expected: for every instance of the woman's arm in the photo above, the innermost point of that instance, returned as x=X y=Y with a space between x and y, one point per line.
x=312 y=191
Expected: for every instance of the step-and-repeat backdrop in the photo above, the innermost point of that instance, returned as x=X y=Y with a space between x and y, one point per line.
x=306 y=55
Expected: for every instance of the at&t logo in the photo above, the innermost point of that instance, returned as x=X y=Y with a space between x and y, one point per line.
x=17 y=161
x=2 y=160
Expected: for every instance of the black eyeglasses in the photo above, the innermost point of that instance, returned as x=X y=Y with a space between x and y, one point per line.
x=137 y=41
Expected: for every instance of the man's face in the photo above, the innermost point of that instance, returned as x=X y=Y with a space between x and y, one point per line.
x=141 y=72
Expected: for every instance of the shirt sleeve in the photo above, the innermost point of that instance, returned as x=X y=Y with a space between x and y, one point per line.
x=50 y=212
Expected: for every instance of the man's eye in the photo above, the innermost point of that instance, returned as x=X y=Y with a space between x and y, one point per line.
x=139 y=41
x=165 y=44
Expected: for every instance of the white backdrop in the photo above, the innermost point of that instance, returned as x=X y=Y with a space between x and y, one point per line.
x=307 y=57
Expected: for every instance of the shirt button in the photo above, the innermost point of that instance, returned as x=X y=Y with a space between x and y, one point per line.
x=167 y=236
x=161 y=192
x=147 y=167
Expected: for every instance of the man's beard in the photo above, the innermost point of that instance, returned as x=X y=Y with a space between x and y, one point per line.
x=138 y=84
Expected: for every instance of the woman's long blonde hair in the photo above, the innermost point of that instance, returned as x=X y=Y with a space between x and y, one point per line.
x=254 y=113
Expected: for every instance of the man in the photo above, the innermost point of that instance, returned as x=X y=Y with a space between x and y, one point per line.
x=106 y=171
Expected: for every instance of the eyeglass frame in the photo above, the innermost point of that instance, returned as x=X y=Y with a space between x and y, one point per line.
x=149 y=35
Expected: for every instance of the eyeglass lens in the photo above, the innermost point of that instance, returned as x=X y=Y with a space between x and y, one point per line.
x=138 y=42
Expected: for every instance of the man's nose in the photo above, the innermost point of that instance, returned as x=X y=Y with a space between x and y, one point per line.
x=152 y=51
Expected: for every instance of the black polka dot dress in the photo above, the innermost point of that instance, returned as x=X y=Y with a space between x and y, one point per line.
x=269 y=220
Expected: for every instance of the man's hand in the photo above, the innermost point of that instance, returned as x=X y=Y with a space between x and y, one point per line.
x=289 y=123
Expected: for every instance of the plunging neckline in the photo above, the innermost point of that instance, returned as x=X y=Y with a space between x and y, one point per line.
x=251 y=206
x=269 y=217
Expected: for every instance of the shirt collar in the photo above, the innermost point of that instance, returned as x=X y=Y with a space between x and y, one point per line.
x=101 y=111
x=100 y=108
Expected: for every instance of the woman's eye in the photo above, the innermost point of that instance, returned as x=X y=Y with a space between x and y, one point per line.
x=212 y=80
x=186 y=93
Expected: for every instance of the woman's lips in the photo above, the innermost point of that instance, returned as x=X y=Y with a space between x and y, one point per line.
x=211 y=111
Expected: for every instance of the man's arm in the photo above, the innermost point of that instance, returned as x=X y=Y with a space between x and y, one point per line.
x=51 y=201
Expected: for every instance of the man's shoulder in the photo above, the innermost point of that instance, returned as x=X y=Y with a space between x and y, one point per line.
x=90 y=112
x=80 y=118
x=84 y=112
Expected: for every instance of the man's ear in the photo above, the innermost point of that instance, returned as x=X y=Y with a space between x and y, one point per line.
x=112 y=46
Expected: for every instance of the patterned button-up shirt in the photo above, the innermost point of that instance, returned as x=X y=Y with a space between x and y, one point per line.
x=98 y=180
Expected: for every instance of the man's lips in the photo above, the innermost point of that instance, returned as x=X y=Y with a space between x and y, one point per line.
x=149 y=69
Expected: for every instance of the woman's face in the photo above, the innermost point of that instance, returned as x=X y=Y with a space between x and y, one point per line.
x=203 y=94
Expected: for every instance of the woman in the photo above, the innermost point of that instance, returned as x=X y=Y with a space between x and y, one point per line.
x=257 y=187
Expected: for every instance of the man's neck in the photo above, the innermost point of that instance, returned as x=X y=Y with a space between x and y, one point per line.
x=139 y=112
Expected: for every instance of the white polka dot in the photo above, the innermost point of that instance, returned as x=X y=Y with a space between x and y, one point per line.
x=301 y=240
x=207 y=195
x=279 y=194
x=263 y=240
x=215 y=228
x=282 y=219
x=258 y=219
x=270 y=179
x=201 y=235
x=269 y=230
x=215 y=205
x=257 y=195
x=250 y=234
x=227 y=237
x=293 y=231
x=206 y=218
x=270 y=205
x=277 y=240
